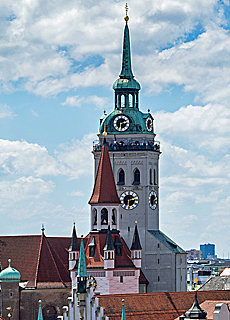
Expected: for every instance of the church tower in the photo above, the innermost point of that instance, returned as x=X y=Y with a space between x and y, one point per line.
x=134 y=154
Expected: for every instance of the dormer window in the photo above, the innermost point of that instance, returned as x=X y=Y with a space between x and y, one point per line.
x=92 y=248
x=118 y=246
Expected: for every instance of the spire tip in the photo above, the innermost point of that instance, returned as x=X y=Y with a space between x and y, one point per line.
x=126 y=11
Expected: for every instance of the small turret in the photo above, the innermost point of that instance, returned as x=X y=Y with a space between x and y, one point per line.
x=123 y=314
x=73 y=249
x=195 y=312
x=40 y=316
x=136 y=248
x=81 y=271
x=109 y=251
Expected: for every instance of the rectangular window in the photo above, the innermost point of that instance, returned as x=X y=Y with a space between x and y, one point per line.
x=11 y=294
x=121 y=278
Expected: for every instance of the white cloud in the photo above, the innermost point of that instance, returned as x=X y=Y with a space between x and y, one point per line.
x=78 y=101
x=5 y=111
x=24 y=188
x=70 y=159
x=34 y=113
x=77 y=193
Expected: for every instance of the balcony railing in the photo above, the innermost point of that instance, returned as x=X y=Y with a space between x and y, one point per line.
x=129 y=146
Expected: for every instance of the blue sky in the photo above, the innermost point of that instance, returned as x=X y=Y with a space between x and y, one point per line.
x=58 y=61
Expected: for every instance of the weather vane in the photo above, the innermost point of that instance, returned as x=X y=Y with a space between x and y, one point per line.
x=126 y=12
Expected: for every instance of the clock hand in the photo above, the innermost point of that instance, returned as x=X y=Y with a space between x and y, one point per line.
x=121 y=124
x=132 y=199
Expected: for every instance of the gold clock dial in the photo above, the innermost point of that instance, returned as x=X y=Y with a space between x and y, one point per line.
x=129 y=200
x=149 y=124
x=121 y=123
x=153 y=200
x=91 y=282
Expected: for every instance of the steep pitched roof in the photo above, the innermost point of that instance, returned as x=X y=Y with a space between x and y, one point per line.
x=195 y=312
x=42 y=261
x=81 y=270
x=104 y=190
x=109 y=241
x=74 y=243
x=155 y=306
x=136 y=244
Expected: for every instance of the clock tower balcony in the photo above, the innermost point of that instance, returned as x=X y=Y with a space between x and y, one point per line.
x=129 y=145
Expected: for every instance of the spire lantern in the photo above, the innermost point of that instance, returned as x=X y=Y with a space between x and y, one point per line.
x=126 y=87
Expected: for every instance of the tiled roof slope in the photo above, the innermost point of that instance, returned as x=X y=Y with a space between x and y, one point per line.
x=104 y=190
x=216 y=283
x=155 y=306
x=97 y=261
x=166 y=241
x=39 y=259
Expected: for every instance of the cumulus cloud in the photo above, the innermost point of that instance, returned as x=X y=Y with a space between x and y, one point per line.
x=70 y=159
x=45 y=52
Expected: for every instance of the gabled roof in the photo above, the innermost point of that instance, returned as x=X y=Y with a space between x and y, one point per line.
x=40 y=260
x=167 y=241
x=104 y=190
x=155 y=306
x=123 y=261
x=136 y=245
x=216 y=283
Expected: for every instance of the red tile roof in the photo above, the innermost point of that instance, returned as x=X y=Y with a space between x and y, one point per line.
x=123 y=261
x=39 y=259
x=104 y=188
x=156 y=306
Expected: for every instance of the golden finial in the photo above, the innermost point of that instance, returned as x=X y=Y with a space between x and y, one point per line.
x=104 y=133
x=135 y=222
x=126 y=11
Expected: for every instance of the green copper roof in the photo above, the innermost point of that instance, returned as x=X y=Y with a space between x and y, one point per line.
x=10 y=274
x=123 y=315
x=166 y=241
x=126 y=71
x=40 y=316
x=126 y=78
x=82 y=271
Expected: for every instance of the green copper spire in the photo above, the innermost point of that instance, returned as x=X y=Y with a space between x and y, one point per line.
x=82 y=271
x=126 y=71
x=123 y=315
x=40 y=317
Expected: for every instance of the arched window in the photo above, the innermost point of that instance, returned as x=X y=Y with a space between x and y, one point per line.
x=150 y=177
x=94 y=217
x=137 y=177
x=49 y=313
x=104 y=216
x=121 y=177
x=122 y=100
x=114 y=216
x=155 y=177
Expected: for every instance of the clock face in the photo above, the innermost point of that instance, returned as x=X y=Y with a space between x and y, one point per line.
x=129 y=200
x=153 y=200
x=121 y=123
x=149 y=124
x=91 y=282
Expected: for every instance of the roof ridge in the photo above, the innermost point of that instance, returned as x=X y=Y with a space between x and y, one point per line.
x=38 y=261
x=52 y=257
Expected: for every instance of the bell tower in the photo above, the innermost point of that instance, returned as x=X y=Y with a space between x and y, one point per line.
x=134 y=154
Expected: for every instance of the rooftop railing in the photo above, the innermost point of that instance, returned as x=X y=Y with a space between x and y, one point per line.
x=129 y=146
